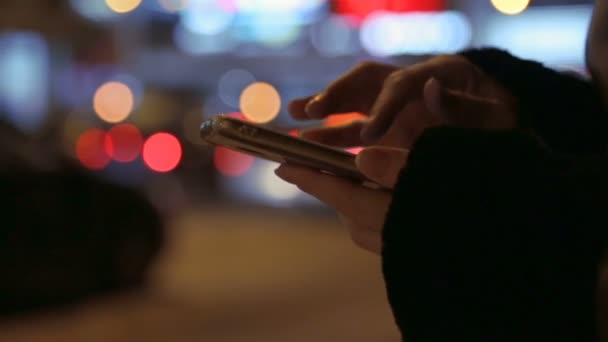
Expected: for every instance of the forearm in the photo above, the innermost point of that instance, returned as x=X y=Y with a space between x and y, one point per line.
x=564 y=110
x=489 y=239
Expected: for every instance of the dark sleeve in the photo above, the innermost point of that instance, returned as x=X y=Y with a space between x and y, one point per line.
x=489 y=238
x=564 y=110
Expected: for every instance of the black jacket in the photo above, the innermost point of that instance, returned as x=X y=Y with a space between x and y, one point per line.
x=497 y=236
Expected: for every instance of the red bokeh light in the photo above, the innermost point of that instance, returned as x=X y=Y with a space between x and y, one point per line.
x=123 y=143
x=162 y=152
x=355 y=150
x=231 y=163
x=361 y=8
x=237 y=115
x=294 y=133
x=90 y=149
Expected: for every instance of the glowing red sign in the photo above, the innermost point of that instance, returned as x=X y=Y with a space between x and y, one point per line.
x=359 y=9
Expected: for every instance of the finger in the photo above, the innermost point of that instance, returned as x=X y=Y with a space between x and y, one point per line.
x=347 y=135
x=297 y=108
x=399 y=88
x=382 y=164
x=366 y=238
x=466 y=110
x=366 y=206
x=355 y=91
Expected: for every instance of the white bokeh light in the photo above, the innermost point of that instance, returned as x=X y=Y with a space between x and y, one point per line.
x=386 y=33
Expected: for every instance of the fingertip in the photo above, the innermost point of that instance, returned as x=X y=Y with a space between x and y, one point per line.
x=297 y=108
x=314 y=108
x=289 y=173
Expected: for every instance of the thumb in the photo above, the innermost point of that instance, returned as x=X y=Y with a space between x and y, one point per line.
x=466 y=110
x=382 y=164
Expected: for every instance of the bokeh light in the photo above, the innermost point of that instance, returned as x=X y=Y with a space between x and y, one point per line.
x=206 y=17
x=162 y=152
x=113 y=102
x=360 y=9
x=510 y=7
x=549 y=34
x=385 y=34
x=355 y=150
x=231 y=85
x=273 y=186
x=342 y=119
x=196 y=44
x=173 y=6
x=122 y=6
x=24 y=74
x=90 y=149
x=236 y=115
x=260 y=102
x=231 y=163
x=277 y=6
x=334 y=36
x=227 y=5
x=135 y=86
x=270 y=30
x=123 y=143
x=96 y=10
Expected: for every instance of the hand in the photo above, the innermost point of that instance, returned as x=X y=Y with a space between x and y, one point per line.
x=361 y=210
x=403 y=102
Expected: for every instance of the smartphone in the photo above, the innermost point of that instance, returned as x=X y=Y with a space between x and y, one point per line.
x=279 y=147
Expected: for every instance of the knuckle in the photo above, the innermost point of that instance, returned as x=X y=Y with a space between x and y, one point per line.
x=396 y=77
x=367 y=65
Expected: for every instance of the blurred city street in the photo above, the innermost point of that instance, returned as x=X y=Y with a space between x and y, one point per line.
x=118 y=89
x=263 y=275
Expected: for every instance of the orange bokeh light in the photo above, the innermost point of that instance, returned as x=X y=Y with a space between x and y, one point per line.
x=113 y=102
x=123 y=143
x=90 y=149
x=231 y=163
x=260 y=102
x=342 y=119
x=123 y=6
x=162 y=152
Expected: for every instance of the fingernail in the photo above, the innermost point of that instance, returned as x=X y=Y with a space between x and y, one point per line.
x=313 y=108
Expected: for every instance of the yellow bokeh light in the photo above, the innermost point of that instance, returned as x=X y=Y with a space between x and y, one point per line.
x=510 y=7
x=172 y=6
x=113 y=102
x=260 y=102
x=123 y=6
